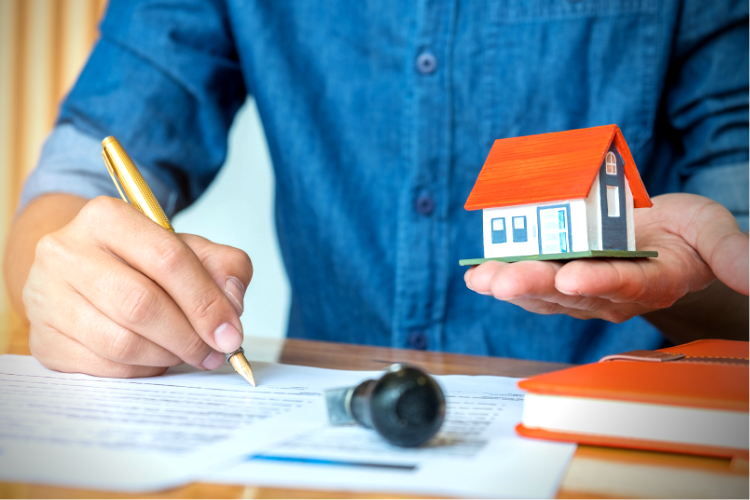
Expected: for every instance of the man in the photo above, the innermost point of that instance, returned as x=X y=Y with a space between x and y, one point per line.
x=378 y=118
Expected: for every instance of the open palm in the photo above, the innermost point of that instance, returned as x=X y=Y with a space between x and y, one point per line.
x=698 y=240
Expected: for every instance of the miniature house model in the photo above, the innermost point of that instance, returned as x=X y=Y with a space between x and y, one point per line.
x=559 y=193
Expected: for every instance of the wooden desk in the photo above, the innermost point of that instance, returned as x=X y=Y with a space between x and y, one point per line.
x=593 y=473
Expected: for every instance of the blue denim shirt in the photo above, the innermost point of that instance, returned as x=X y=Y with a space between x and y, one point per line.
x=379 y=116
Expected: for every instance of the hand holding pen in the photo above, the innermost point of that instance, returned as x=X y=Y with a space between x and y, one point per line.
x=113 y=294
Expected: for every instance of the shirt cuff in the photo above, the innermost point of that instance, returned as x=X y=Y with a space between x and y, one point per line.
x=727 y=185
x=71 y=163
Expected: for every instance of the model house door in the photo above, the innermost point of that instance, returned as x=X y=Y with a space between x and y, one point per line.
x=554 y=230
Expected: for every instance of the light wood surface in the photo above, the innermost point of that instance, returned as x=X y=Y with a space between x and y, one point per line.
x=593 y=473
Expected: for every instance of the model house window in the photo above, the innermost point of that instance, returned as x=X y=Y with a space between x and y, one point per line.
x=499 y=235
x=520 y=234
x=611 y=164
x=613 y=201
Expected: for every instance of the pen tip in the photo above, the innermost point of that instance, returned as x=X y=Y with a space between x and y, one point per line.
x=242 y=367
x=249 y=377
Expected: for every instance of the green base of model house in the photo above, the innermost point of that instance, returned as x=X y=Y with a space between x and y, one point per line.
x=588 y=254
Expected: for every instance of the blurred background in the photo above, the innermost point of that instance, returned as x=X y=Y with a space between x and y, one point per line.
x=43 y=46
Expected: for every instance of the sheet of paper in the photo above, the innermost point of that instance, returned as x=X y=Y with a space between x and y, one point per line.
x=477 y=452
x=147 y=434
x=141 y=434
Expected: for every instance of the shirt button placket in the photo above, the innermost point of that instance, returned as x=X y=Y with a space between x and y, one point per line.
x=418 y=340
x=426 y=63
x=420 y=268
x=424 y=204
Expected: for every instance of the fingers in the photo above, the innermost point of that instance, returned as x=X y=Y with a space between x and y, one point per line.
x=586 y=308
x=696 y=238
x=170 y=263
x=113 y=294
x=119 y=292
x=527 y=284
x=526 y=279
x=707 y=227
x=105 y=338
x=478 y=278
x=61 y=353
x=721 y=244
x=616 y=280
x=729 y=261
x=229 y=267
x=533 y=285
x=509 y=281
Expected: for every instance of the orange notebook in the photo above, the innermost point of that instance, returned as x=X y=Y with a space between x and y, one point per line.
x=691 y=398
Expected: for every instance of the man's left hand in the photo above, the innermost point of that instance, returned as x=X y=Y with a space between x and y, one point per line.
x=698 y=240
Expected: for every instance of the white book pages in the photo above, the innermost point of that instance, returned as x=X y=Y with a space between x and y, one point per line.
x=633 y=420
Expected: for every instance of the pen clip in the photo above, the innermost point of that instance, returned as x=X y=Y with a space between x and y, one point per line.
x=113 y=175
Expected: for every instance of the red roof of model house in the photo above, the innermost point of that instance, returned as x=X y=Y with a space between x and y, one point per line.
x=550 y=167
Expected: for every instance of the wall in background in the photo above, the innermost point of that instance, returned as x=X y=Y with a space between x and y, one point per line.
x=237 y=210
x=43 y=46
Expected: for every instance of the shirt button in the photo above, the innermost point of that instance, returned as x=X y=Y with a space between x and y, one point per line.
x=425 y=204
x=426 y=63
x=418 y=340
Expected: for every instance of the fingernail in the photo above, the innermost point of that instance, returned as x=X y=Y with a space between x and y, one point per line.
x=235 y=290
x=467 y=278
x=568 y=291
x=213 y=360
x=227 y=337
x=468 y=272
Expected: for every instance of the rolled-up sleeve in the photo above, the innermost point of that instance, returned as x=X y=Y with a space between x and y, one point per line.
x=71 y=163
x=707 y=103
x=727 y=184
x=165 y=80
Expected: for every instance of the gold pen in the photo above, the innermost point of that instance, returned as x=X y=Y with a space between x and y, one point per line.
x=124 y=173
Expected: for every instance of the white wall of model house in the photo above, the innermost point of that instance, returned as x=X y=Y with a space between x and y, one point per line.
x=629 y=208
x=577 y=227
x=585 y=227
x=594 y=216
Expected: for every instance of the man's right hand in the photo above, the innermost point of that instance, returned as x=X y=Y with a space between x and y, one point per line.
x=114 y=294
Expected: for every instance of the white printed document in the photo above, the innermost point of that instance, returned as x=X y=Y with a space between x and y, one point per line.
x=139 y=434
x=147 y=434
x=476 y=453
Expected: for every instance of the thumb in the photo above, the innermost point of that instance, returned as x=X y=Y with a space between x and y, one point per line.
x=721 y=244
x=728 y=259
